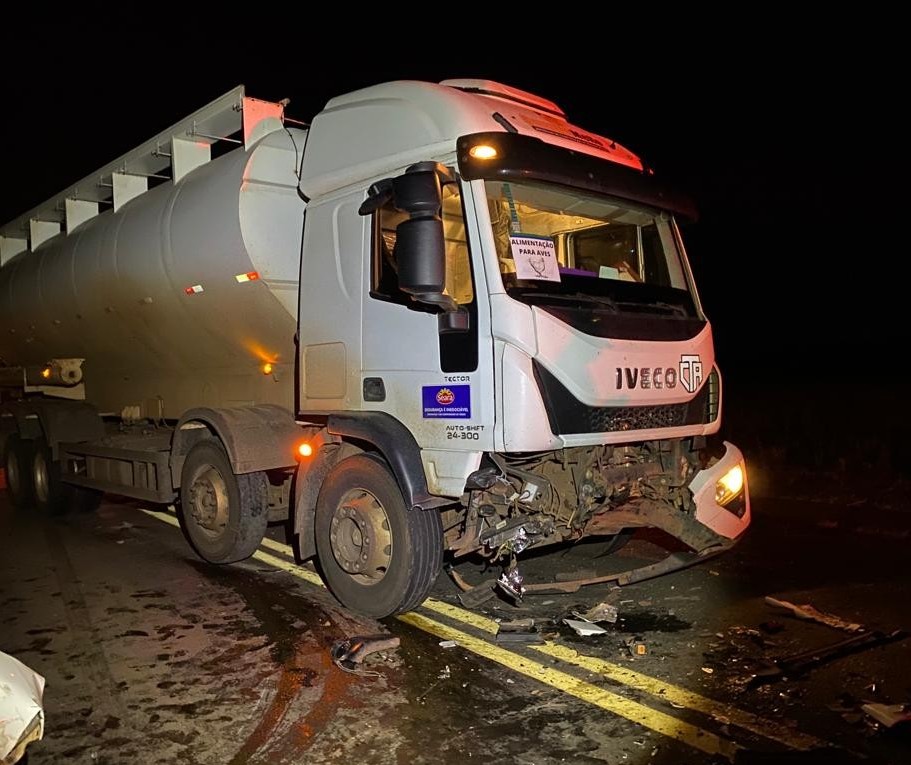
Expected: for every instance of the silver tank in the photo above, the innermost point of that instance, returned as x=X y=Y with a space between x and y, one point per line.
x=122 y=290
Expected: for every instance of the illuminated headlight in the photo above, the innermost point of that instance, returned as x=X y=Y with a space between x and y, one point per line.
x=729 y=485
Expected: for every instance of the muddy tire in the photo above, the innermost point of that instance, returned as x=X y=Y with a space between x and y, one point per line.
x=17 y=463
x=377 y=556
x=52 y=495
x=223 y=515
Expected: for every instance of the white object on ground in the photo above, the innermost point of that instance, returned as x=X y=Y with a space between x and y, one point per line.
x=21 y=712
x=584 y=628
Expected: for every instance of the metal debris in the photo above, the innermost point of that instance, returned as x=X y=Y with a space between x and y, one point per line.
x=519 y=631
x=799 y=663
x=512 y=583
x=349 y=654
x=448 y=644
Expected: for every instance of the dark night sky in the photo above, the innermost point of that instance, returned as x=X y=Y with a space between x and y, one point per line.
x=790 y=149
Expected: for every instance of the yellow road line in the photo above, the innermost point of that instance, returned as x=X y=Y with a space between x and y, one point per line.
x=628 y=677
x=600 y=697
x=661 y=689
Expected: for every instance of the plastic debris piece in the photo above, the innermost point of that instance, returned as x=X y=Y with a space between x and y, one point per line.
x=708 y=670
x=637 y=648
x=445 y=673
x=888 y=715
x=448 y=644
x=585 y=629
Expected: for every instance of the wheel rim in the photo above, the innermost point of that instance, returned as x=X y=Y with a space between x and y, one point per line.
x=209 y=502
x=361 y=537
x=41 y=478
x=13 y=479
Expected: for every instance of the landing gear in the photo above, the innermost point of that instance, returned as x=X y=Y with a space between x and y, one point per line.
x=377 y=556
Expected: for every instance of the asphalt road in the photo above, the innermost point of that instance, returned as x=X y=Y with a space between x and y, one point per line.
x=152 y=656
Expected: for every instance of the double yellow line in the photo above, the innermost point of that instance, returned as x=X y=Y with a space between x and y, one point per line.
x=479 y=642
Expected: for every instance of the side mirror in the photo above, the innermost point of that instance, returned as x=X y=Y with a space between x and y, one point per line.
x=420 y=244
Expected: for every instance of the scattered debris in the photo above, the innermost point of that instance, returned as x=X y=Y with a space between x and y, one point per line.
x=349 y=654
x=603 y=612
x=636 y=647
x=708 y=670
x=585 y=629
x=445 y=673
x=888 y=715
x=448 y=644
x=808 y=612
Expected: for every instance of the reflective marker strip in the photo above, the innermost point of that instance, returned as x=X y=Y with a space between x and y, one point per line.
x=636 y=680
x=194 y=290
x=250 y=276
x=600 y=697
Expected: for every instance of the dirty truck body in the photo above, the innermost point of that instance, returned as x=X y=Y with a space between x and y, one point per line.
x=440 y=318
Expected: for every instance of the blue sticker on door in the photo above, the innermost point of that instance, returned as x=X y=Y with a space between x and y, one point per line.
x=450 y=402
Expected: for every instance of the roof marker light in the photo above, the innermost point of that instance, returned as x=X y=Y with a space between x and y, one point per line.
x=267 y=368
x=250 y=276
x=194 y=290
x=483 y=151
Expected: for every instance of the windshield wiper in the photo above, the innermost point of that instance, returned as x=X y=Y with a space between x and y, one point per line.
x=575 y=297
x=677 y=310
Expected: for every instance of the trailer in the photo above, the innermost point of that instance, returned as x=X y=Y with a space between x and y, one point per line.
x=440 y=319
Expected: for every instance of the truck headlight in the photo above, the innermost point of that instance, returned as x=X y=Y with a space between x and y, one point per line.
x=729 y=485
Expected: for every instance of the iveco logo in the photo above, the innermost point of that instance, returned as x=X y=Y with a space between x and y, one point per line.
x=688 y=374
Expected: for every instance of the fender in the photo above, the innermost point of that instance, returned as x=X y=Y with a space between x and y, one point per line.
x=398 y=447
x=256 y=437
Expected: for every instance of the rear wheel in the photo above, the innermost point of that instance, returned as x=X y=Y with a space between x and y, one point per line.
x=17 y=462
x=223 y=515
x=377 y=556
x=52 y=495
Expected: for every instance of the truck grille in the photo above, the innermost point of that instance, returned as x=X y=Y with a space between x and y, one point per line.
x=569 y=415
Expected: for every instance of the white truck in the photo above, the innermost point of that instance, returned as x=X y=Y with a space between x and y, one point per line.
x=441 y=318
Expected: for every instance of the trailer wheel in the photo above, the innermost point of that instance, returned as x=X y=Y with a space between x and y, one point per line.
x=52 y=495
x=223 y=515
x=377 y=556
x=17 y=462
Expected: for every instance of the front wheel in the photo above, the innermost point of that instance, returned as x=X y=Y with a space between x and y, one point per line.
x=223 y=515
x=377 y=556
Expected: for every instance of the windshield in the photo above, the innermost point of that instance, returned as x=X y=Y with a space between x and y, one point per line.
x=556 y=245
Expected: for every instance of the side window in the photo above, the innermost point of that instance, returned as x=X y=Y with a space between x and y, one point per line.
x=384 y=285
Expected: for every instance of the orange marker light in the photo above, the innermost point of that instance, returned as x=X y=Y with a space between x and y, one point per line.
x=483 y=151
x=46 y=373
x=267 y=368
x=305 y=450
